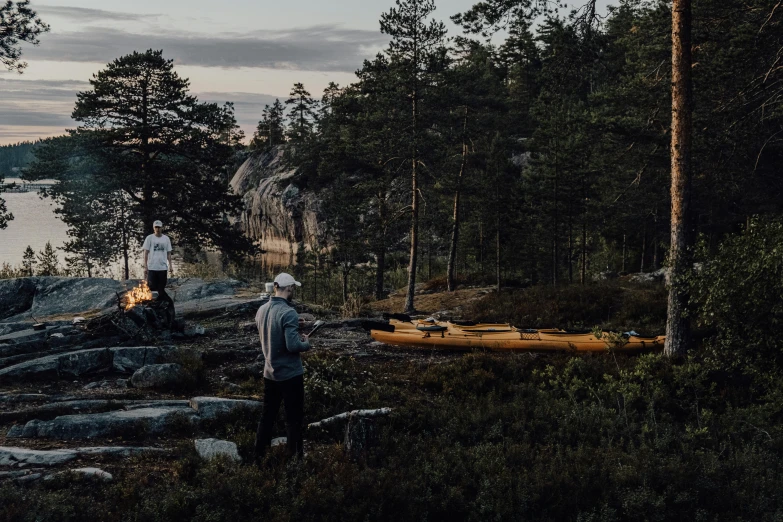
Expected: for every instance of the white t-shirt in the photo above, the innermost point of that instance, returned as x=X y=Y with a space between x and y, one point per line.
x=158 y=248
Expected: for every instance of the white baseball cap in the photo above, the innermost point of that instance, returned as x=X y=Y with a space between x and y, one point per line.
x=157 y=223
x=284 y=280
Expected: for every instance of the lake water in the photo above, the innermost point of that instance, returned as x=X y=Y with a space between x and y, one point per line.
x=35 y=223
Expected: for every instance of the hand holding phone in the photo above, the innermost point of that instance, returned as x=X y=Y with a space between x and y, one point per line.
x=316 y=326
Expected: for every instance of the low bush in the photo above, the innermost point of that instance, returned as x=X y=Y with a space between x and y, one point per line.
x=612 y=305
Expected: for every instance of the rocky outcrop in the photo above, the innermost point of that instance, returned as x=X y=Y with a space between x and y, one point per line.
x=28 y=298
x=277 y=214
x=81 y=362
x=154 y=418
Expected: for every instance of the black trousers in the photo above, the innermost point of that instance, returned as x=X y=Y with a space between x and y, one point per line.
x=157 y=279
x=291 y=393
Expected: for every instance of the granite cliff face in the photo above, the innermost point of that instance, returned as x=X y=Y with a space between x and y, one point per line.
x=277 y=214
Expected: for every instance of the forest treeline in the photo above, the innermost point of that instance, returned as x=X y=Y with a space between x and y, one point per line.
x=540 y=158
x=544 y=158
x=14 y=157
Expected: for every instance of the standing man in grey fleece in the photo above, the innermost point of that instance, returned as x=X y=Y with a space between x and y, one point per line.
x=278 y=327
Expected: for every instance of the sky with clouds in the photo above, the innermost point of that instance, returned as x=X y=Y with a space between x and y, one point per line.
x=245 y=51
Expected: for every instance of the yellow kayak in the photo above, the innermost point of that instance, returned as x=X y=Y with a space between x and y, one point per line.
x=504 y=337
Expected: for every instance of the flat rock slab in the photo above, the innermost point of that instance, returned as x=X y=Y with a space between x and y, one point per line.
x=81 y=362
x=211 y=407
x=13 y=456
x=209 y=449
x=151 y=419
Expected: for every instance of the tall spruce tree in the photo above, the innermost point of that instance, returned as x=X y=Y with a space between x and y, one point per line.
x=416 y=51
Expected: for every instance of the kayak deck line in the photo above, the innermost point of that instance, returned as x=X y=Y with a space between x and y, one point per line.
x=504 y=337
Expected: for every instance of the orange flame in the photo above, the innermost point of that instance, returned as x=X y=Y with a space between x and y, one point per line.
x=138 y=295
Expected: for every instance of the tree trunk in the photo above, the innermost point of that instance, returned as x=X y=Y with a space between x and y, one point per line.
x=409 y=306
x=450 y=283
x=381 y=260
x=570 y=248
x=315 y=276
x=497 y=233
x=624 y=250
x=584 y=249
x=147 y=191
x=555 y=224
x=655 y=254
x=481 y=244
x=644 y=248
x=345 y=285
x=677 y=327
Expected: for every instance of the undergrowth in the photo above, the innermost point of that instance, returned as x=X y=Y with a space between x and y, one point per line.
x=611 y=304
x=480 y=437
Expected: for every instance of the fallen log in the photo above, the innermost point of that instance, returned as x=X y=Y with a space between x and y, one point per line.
x=349 y=415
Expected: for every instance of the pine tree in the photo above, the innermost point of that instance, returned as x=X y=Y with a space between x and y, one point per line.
x=271 y=128
x=18 y=24
x=48 y=264
x=161 y=147
x=677 y=325
x=301 y=113
x=416 y=50
x=28 y=261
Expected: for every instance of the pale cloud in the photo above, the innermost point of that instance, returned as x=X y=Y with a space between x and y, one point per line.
x=84 y=14
x=38 y=108
x=315 y=48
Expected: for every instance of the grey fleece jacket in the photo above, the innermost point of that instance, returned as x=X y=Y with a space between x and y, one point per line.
x=278 y=327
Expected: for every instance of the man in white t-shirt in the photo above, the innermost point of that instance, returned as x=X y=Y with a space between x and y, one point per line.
x=157 y=261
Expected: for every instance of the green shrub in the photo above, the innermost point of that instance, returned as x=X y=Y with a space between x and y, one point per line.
x=739 y=293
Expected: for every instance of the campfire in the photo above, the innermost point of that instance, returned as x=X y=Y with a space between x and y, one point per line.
x=140 y=294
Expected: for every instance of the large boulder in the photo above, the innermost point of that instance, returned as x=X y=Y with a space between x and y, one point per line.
x=209 y=449
x=169 y=375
